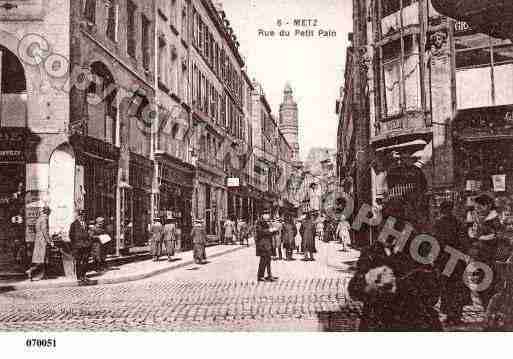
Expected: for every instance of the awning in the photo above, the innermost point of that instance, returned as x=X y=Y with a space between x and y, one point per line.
x=489 y=16
x=415 y=143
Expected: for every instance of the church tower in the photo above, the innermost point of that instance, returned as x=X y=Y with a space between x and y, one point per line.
x=289 y=121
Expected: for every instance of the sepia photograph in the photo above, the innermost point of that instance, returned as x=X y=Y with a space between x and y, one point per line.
x=255 y=166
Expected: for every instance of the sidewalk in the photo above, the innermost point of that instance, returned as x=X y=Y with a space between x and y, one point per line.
x=124 y=272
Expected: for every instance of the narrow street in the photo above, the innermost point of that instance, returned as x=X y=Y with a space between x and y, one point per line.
x=222 y=295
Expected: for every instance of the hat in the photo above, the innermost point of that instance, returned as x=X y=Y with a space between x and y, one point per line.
x=100 y=220
x=266 y=208
x=81 y=212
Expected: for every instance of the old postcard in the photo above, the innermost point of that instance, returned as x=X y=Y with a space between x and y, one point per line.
x=255 y=166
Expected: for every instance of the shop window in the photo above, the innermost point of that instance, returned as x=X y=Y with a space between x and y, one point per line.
x=13 y=98
x=484 y=70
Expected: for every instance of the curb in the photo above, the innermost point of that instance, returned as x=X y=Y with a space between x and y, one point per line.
x=124 y=279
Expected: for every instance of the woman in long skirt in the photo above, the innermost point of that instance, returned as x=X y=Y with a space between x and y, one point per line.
x=199 y=240
x=343 y=233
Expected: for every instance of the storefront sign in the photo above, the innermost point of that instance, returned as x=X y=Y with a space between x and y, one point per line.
x=232 y=182
x=473 y=185
x=393 y=124
x=499 y=183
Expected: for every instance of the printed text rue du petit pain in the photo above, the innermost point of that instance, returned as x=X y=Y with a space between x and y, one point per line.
x=299 y=28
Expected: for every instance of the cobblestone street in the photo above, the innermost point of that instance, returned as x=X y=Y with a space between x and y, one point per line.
x=222 y=295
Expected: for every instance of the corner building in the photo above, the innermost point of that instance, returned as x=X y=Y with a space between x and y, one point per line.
x=439 y=106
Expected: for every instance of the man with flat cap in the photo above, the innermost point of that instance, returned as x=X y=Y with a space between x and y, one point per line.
x=264 y=245
x=80 y=244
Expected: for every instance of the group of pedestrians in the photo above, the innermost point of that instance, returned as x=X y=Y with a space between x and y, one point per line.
x=88 y=245
x=274 y=236
x=234 y=231
x=400 y=293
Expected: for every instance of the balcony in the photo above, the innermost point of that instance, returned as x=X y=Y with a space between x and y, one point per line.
x=408 y=123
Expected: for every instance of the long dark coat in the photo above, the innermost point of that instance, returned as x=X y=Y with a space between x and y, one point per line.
x=42 y=240
x=264 y=239
x=289 y=232
x=455 y=294
x=308 y=236
x=411 y=307
x=79 y=235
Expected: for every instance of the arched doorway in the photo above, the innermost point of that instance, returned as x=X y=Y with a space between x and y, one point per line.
x=13 y=134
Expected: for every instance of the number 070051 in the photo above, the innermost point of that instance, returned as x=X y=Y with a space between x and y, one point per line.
x=40 y=343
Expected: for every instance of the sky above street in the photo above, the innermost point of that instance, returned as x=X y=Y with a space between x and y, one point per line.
x=313 y=64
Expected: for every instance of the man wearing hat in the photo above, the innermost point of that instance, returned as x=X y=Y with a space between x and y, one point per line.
x=156 y=231
x=41 y=241
x=308 y=231
x=81 y=245
x=264 y=245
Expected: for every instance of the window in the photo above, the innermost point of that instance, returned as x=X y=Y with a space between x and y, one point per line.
x=162 y=60
x=484 y=69
x=194 y=27
x=131 y=41
x=402 y=77
x=173 y=13
x=90 y=11
x=173 y=69
x=391 y=6
x=146 y=42
x=112 y=20
x=200 y=34
x=185 y=34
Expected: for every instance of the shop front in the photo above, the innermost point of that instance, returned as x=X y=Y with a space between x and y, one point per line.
x=399 y=175
x=483 y=150
x=13 y=249
x=175 y=194
x=211 y=201
x=140 y=181
x=96 y=179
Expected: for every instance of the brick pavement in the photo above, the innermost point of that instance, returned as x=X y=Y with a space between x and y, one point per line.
x=221 y=296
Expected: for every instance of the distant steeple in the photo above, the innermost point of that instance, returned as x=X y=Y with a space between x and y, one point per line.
x=289 y=120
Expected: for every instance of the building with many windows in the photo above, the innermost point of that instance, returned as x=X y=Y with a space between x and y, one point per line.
x=437 y=94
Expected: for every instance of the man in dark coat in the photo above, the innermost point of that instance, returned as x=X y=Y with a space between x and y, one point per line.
x=289 y=233
x=264 y=245
x=97 y=248
x=308 y=230
x=80 y=245
x=398 y=293
x=455 y=294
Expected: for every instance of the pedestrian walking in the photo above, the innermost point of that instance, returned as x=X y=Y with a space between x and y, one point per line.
x=97 y=246
x=229 y=231
x=80 y=246
x=199 y=241
x=41 y=242
x=319 y=228
x=398 y=293
x=169 y=238
x=342 y=233
x=243 y=231
x=299 y=240
x=485 y=242
x=277 y=240
x=289 y=233
x=263 y=244
x=156 y=232
x=308 y=231
x=454 y=294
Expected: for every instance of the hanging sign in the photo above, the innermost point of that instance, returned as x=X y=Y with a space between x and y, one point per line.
x=499 y=183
